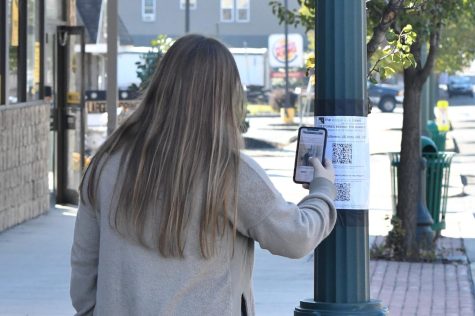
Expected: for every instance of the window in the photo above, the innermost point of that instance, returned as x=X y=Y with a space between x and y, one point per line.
x=149 y=8
x=242 y=10
x=192 y=4
x=227 y=10
x=235 y=11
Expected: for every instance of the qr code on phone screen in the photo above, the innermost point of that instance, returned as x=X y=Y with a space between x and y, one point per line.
x=343 y=191
x=342 y=153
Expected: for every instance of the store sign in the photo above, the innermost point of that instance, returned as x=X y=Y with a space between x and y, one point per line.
x=277 y=50
x=292 y=74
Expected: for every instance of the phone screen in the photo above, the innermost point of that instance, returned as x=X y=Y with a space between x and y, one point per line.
x=311 y=143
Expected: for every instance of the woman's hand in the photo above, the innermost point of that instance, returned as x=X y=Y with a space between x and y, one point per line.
x=321 y=171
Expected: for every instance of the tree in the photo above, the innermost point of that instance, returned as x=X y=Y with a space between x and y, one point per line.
x=390 y=58
x=150 y=60
x=395 y=23
x=429 y=20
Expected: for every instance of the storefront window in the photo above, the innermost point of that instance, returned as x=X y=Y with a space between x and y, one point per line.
x=2 y=50
x=14 y=33
x=33 y=48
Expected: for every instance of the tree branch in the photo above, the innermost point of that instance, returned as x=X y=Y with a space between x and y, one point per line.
x=393 y=50
x=389 y=16
x=433 y=48
x=415 y=6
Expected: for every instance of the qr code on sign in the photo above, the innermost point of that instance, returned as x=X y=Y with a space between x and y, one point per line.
x=342 y=153
x=343 y=191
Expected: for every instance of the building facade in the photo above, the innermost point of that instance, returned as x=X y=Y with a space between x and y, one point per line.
x=29 y=67
x=238 y=23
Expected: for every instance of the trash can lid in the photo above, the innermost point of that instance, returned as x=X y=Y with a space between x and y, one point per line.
x=428 y=145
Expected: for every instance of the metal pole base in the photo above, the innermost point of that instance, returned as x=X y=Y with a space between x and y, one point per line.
x=311 y=308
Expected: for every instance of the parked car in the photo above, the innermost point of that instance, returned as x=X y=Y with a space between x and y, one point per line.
x=385 y=96
x=459 y=85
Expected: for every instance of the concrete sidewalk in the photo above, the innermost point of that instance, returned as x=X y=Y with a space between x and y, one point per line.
x=34 y=260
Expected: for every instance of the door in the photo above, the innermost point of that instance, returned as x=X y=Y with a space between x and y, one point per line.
x=70 y=112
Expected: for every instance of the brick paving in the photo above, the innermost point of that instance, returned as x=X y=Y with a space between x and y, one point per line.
x=443 y=287
x=409 y=288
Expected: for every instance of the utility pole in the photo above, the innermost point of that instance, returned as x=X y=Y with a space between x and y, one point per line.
x=342 y=260
x=286 y=33
x=187 y=16
x=426 y=105
x=112 y=17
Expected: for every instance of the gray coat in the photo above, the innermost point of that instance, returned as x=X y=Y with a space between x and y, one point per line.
x=115 y=276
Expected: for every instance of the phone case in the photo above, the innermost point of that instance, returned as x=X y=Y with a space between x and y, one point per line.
x=307 y=149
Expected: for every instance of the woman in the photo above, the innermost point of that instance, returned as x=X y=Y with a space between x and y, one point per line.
x=169 y=207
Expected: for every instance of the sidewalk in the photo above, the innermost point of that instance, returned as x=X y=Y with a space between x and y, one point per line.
x=34 y=260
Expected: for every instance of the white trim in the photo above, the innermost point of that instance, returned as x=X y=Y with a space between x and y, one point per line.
x=248 y=50
x=98 y=49
x=149 y=17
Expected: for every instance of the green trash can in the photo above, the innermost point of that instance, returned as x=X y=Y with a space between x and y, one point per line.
x=437 y=136
x=437 y=184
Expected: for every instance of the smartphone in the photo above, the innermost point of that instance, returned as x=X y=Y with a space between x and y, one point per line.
x=311 y=142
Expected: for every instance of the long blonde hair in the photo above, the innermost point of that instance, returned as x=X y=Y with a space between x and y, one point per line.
x=184 y=136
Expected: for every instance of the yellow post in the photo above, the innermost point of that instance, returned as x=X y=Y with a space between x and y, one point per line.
x=287 y=115
x=442 y=116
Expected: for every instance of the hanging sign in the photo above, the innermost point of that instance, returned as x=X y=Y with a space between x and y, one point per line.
x=348 y=149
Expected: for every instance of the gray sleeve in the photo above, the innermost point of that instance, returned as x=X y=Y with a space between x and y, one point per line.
x=283 y=228
x=84 y=260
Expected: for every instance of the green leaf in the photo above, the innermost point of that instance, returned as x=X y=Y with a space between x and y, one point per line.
x=388 y=71
x=391 y=36
x=407 y=28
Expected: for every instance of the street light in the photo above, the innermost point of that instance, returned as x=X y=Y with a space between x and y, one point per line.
x=342 y=260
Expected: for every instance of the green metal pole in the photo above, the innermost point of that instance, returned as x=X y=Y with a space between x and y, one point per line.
x=433 y=94
x=425 y=97
x=342 y=260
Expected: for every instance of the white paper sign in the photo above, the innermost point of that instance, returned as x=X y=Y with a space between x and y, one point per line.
x=348 y=148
